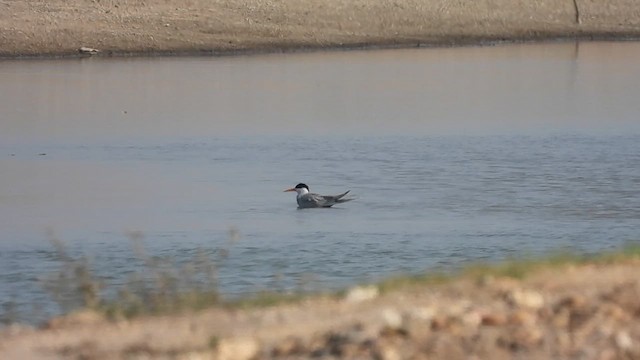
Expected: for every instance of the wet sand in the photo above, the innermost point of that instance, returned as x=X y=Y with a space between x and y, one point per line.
x=154 y=27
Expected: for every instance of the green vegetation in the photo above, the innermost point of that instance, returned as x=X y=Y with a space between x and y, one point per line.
x=426 y=279
x=518 y=269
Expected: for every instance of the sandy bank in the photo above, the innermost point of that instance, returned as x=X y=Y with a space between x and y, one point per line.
x=139 y=27
x=568 y=312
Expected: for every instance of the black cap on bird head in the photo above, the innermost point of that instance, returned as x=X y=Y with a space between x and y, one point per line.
x=301 y=185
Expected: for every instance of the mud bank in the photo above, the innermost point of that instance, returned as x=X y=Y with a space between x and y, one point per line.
x=153 y=27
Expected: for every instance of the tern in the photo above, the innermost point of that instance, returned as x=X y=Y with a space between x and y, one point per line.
x=306 y=199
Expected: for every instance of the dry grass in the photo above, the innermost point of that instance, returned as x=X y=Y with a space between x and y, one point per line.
x=160 y=286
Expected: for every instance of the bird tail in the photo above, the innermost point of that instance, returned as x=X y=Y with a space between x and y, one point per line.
x=340 y=198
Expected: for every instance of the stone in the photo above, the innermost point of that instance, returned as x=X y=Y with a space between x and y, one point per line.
x=389 y=353
x=521 y=338
x=614 y=311
x=237 y=349
x=573 y=302
x=493 y=319
x=288 y=346
x=522 y=317
x=439 y=322
x=423 y=313
x=361 y=293
x=88 y=50
x=526 y=298
x=392 y=318
x=561 y=318
x=623 y=340
x=192 y=355
x=472 y=318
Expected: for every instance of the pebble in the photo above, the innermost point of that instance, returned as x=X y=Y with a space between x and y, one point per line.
x=623 y=340
x=493 y=319
x=361 y=293
x=88 y=50
x=561 y=318
x=392 y=318
x=526 y=298
x=288 y=346
x=522 y=337
x=389 y=353
x=237 y=349
x=424 y=313
x=439 y=322
x=473 y=319
x=193 y=355
x=522 y=317
x=573 y=302
x=614 y=312
x=607 y=354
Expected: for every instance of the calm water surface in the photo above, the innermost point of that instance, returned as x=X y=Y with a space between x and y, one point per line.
x=455 y=156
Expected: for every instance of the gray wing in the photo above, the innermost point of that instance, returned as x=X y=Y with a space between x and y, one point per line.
x=312 y=200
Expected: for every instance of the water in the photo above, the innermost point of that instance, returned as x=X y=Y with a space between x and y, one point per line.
x=455 y=156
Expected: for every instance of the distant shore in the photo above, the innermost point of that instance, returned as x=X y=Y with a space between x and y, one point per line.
x=59 y=28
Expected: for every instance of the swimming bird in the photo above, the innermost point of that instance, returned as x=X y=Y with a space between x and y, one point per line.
x=307 y=199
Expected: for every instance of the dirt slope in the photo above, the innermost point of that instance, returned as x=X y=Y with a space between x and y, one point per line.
x=118 y=27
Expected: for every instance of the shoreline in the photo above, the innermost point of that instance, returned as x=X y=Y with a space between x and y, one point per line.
x=301 y=49
x=566 y=308
x=57 y=29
